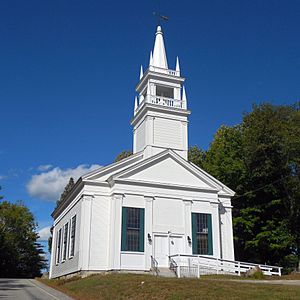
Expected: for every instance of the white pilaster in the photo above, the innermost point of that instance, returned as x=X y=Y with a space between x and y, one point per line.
x=216 y=229
x=53 y=251
x=148 y=230
x=85 y=232
x=115 y=231
x=187 y=225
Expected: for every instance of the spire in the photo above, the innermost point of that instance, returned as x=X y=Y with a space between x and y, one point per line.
x=177 y=69
x=159 y=52
x=151 y=59
x=141 y=72
x=135 y=104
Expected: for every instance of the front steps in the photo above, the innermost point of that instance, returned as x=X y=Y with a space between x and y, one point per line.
x=164 y=272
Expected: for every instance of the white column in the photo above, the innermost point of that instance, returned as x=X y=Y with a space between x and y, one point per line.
x=215 y=229
x=148 y=230
x=115 y=231
x=85 y=225
x=187 y=225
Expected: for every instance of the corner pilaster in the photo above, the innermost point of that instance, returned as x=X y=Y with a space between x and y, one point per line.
x=115 y=231
x=85 y=225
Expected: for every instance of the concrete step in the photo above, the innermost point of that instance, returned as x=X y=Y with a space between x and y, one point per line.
x=166 y=272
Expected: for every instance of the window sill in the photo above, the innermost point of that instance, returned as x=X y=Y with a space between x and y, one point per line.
x=133 y=252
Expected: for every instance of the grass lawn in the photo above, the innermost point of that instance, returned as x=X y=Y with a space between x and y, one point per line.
x=132 y=286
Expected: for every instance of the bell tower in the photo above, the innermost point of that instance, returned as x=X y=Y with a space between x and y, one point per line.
x=160 y=110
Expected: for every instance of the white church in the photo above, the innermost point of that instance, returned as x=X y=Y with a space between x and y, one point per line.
x=154 y=209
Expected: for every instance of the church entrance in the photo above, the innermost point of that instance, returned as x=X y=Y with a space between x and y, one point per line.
x=165 y=245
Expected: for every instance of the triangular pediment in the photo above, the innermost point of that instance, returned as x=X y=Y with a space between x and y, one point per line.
x=168 y=168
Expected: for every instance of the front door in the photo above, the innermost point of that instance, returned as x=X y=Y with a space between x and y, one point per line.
x=176 y=245
x=161 y=250
x=165 y=245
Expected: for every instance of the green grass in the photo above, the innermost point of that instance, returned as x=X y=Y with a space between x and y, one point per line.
x=131 y=286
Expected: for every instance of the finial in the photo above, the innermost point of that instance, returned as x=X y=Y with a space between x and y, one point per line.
x=177 y=69
x=141 y=72
x=183 y=98
x=151 y=59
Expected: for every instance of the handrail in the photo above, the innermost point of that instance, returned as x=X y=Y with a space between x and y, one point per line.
x=154 y=265
x=236 y=267
x=224 y=260
x=164 y=70
x=173 y=265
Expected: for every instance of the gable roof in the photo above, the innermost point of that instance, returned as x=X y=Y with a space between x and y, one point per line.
x=164 y=168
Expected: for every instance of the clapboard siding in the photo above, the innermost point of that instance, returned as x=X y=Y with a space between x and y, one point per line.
x=71 y=264
x=168 y=133
x=140 y=137
x=99 y=233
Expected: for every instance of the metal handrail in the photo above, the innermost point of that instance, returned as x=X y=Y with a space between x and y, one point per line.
x=154 y=265
x=173 y=265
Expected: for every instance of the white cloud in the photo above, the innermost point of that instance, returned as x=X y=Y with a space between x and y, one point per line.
x=2 y=177
x=44 y=233
x=50 y=184
x=44 y=167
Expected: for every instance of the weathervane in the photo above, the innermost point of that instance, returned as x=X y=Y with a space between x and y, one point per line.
x=160 y=17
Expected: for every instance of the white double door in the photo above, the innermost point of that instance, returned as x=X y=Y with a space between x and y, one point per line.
x=165 y=245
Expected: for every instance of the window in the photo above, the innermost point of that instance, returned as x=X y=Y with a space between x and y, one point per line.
x=132 y=229
x=202 y=234
x=58 y=243
x=66 y=230
x=72 y=236
x=163 y=91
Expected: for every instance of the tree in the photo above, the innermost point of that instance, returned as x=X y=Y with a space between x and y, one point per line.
x=259 y=159
x=122 y=155
x=20 y=254
x=66 y=191
x=196 y=156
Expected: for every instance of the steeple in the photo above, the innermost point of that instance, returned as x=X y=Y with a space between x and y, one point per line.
x=159 y=52
x=160 y=115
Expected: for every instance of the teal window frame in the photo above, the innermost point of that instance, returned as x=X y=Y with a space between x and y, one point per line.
x=196 y=234
x=125 y=230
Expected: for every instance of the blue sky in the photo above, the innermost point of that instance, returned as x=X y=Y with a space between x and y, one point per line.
x=68 y=70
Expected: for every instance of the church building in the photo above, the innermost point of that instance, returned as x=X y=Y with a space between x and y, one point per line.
x=138 y=213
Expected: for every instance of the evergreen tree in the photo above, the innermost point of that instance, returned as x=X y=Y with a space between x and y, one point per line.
x=122 y=155
x=66 y=191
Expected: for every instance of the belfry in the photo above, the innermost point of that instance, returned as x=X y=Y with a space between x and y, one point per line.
x=160 y=109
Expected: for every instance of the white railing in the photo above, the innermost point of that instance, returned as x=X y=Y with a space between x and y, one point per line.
x=164 y=101
x=196 y=265
x=164 y=71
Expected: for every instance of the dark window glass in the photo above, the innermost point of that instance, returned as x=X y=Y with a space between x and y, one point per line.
x=133 y=229
x=66 y=230
x=73 y=232
x=202 y=233
x=58 y=243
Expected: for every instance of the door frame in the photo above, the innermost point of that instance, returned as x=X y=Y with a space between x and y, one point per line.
x=168 y=235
